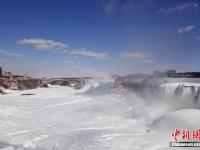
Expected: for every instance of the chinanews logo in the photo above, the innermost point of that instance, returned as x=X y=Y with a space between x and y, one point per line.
x=185 y=138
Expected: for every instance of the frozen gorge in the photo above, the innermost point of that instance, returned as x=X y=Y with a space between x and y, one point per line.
x=100 y=116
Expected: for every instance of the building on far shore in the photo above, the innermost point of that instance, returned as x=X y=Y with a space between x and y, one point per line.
x=174 y=74
x=171 y=73
x=1 y=72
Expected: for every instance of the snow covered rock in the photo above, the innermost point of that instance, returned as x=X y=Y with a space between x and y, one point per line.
x=8 y=148
x=182 y=119
x=29 y=144
x=2 y=92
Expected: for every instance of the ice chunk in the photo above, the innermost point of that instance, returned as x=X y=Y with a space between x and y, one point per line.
x=29 y=144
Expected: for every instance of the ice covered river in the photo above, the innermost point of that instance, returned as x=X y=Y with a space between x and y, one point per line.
x=93 y=118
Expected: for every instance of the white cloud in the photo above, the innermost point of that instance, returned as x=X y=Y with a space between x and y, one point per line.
x=43 y=44
x=185 y=29
x=2 y=51
x=198 y=37
x=133 y=55
x=6 y=53
x=147 y=61
x=138 y=56
x=71 y=62
x=181 y=8
x=110 y=7
x=113 y=6
x=128 y=6
x=64 y=52
x=86 y=53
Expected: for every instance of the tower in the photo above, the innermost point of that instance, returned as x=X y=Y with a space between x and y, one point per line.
x=1 y=74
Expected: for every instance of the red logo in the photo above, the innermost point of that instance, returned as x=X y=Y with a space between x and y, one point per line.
x=186 y=134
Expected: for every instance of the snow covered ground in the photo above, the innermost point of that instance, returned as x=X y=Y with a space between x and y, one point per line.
x=100 y=116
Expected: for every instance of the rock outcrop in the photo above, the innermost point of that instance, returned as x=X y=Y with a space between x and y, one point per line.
x=44 y=85
x=77 y=83
x=2 y=92
x=28 y=84
x=19 y=84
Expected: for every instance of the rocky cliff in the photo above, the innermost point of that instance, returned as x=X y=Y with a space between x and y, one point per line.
x=19 y=84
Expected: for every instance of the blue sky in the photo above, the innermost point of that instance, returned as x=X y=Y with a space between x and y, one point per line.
x=99 y=37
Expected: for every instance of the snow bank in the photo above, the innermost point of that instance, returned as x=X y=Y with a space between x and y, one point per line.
x=183 y=119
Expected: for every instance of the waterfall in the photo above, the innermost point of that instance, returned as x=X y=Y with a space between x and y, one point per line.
x=180 y=89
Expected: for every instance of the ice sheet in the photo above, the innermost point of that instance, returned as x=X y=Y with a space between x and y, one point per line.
x=61 y=118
